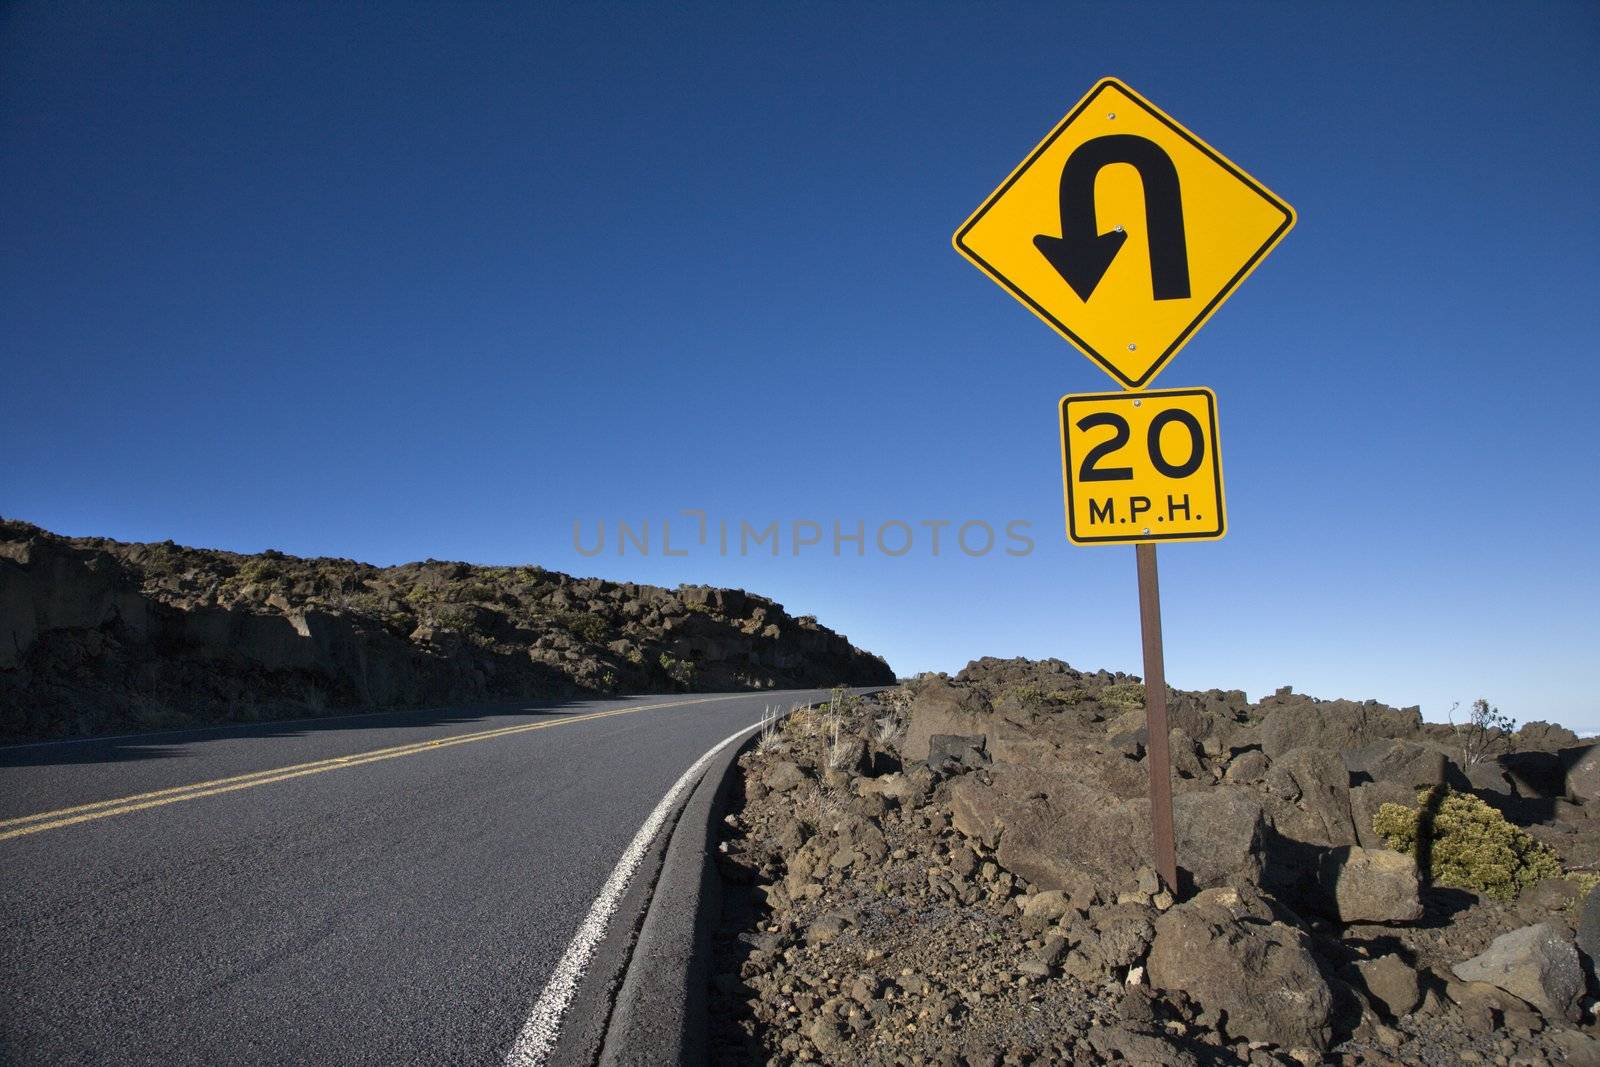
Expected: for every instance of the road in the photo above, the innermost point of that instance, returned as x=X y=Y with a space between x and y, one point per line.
x=391 y=888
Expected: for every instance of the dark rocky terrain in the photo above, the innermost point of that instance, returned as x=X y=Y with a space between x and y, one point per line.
x=958 y=872
x=98 y=635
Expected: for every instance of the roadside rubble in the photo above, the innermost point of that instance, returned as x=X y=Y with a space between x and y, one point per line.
x=958 y=872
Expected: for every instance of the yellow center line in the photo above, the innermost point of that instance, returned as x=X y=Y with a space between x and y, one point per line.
x=101 y=809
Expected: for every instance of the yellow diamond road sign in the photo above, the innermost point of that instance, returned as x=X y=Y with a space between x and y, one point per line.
x=1142 y=467
x=1124 y=231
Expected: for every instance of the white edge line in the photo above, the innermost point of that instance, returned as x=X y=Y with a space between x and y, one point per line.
x=537 y=1038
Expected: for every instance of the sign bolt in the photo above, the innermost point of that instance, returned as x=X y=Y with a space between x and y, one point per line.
x=1111 y=114
x=1147 y=529
x=1136 y=403
x=1132 y=347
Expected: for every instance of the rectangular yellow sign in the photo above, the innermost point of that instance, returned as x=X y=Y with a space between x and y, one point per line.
x=1142 y=467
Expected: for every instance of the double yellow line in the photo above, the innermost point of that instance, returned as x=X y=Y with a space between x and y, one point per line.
x=104 y=809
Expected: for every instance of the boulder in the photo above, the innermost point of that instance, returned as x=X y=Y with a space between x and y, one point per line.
x=1583 y=773
x=1052 y=829
x=1122 y=936
x=1121 y=1045
x=783 y=776
x=1295 y=721
x=1480 y=1003
x=1369 y=885
x=1047 y=906
x=1589 y=929
x=1260 y=974
x=942 y=708
x=859 y=843
x=1549 y=900
x=18 y=621
x=46 y=586
x=1410 y=764
x=1535 y=774
x=1391 y=982
x=1311 y=788
x=1219 y=835
x=1248 y=768
x=1536 y=963
x=954 y=752
x=1217 y=719
x=1012 y=744
x=1129 y=722
x=1577 y=1050
x=1185 y=755
x=1541 y=736
x=1487 y=776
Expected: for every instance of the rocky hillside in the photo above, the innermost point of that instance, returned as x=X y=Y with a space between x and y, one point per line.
x=98 y=635
x=959 y=872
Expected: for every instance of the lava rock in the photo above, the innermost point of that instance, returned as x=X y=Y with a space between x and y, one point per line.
x=955 y=752
x=1391 y=982
x=783 y=776
x=1247 y=768
x=1369 y=885
x=1261 y=974
x=1589 y=929
x=1311 y=790
x=1406 y=762
x=1536 y=963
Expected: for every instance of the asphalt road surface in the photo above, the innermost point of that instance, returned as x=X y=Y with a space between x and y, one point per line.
x=326 y=891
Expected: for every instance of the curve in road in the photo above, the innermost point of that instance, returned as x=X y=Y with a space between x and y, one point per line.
x=223 y=896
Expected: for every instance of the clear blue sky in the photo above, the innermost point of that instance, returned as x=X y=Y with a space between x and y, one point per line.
x=394 y=283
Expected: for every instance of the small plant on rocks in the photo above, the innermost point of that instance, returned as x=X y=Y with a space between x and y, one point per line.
x=680 y=671
x=835 y=750
x=890 y=731
x=1486 y=733
x=589 y=627
x=771 y=737
x=1128 y=695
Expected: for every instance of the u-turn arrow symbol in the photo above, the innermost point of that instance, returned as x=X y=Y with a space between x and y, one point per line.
x=1082 y=254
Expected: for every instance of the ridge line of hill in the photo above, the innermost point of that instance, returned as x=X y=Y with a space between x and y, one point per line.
x=98 y=636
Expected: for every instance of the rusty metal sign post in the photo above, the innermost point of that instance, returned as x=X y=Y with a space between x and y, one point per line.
x=1156 y=746
x=1141 y=466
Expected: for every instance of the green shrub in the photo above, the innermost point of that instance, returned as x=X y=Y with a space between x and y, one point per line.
x=1468 y=844
x=1028 y=696
x=842 y=702
x=1128 y=695
x=585 y=625
x=259 y=571
x=375 y=604
x=1037 y=699
x=452 y=617
x=1584 y=882
x=680 y=671
x=420 y=594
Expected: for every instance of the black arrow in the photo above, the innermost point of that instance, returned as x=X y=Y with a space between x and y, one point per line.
x=1082 y=254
